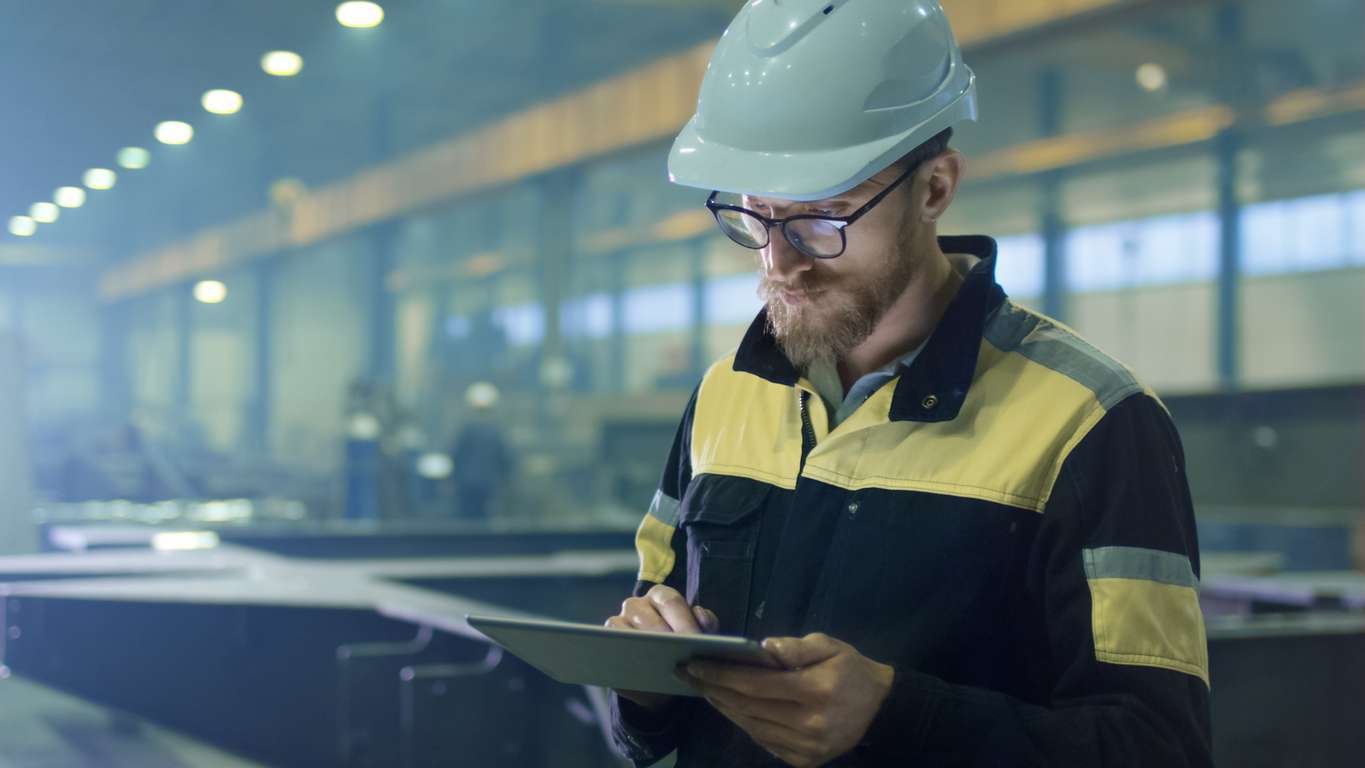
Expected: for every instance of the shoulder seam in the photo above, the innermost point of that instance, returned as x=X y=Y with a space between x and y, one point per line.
x=1059 y=348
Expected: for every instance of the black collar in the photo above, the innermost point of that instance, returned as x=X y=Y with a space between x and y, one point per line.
x=936 y=384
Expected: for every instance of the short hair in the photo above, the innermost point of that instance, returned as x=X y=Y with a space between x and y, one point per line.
x=932 y=147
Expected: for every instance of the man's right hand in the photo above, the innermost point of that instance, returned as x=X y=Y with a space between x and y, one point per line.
x=661 y=609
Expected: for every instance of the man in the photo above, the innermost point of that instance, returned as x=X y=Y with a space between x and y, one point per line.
x=481 y=461
x=965 y=532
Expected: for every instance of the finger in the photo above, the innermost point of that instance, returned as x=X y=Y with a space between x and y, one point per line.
x=641 y=615
x=674 y=609
x=706 y=618
x=753 y=682
x=798 y=652
x=783 y=713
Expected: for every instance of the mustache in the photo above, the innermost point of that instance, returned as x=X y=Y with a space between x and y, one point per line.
x=768 y=287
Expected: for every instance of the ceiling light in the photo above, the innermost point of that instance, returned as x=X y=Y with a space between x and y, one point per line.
x=69 y=197
x=221 y=101
x=44 y=213
x=360 y=15
x=100 y=178
x=174 y=132
x=282 y=63
x=1151 y=77
x=22 y=226
x=210 y=291
x=134 y=158
x=176 y=541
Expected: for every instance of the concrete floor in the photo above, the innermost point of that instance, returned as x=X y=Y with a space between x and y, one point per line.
x=44 y=728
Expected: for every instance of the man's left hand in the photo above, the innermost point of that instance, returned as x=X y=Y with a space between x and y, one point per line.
x=808 y=714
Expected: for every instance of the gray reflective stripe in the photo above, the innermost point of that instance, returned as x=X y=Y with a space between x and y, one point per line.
x=1138 y=563
x=1009 y=325
x=1062 y=351
x=664 y=508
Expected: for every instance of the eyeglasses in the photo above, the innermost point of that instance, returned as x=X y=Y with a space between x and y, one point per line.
x=821 y=237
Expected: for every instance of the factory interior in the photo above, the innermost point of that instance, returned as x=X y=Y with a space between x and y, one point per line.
x=323 y=325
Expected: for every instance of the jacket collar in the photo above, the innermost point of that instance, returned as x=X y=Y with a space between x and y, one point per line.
x=936 y=383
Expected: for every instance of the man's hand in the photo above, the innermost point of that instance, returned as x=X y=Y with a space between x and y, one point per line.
x=662 y=609
x=812 y=712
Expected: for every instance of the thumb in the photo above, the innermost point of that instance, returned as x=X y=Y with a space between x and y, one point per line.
x=798 y=652
x=708 y=621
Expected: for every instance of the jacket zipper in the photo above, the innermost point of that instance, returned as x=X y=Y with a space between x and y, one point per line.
x=807 y=432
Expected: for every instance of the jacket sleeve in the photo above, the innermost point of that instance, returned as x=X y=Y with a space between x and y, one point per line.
x=642 y=736
x=1114 y=570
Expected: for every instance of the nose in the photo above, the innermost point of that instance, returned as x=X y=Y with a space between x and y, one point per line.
x=781 y=260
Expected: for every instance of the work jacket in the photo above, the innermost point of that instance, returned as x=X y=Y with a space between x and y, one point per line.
x=1007 y=523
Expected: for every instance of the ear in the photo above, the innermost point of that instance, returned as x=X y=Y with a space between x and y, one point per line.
x=937 y=184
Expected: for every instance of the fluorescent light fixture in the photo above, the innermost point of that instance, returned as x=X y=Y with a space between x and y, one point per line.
x=134 y=158
x=100 y=178
x=22 y=226
x=174 y=132
x=360 y=15
x=69 y=197
x=44 y=213
x=179 y=541
x=221 y=101
x=1151 y=77
x=282 y=63
x=210 y=291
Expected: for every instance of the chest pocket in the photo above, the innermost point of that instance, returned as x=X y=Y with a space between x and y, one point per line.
x=720 y=516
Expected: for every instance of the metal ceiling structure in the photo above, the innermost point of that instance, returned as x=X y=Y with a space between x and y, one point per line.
x=438 y=101
x=85 y=79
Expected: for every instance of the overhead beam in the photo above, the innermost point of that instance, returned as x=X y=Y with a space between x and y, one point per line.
x=1047 y=155
x=1182 y=128
x=978 y=22
x=35 y=255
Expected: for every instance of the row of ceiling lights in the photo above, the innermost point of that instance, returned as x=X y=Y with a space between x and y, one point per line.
x=354 y=14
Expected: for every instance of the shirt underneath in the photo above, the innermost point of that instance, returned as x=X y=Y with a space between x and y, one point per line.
x=824 y=374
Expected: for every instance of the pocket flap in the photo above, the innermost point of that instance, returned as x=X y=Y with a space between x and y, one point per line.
x=721 y=500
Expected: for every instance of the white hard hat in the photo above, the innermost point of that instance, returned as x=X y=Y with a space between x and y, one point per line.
x=805 y=99
x=481 y=395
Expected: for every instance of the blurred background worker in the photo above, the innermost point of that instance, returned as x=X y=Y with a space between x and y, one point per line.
x=481 y=461
x=282 y=240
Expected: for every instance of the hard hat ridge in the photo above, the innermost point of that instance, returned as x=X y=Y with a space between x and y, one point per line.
x=805 y=99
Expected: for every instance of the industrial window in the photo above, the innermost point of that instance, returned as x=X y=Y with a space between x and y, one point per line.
x=655 y=308
x=1302 y=234
x=524 y=324
x=1019 y=265
x=1160 y=250
x=587 y=317
x=732 y=299
x=1356 y=216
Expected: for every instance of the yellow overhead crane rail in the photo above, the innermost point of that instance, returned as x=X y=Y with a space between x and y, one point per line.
x=647 y=104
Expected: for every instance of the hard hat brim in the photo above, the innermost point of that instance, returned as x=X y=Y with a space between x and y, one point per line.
x=806 y=175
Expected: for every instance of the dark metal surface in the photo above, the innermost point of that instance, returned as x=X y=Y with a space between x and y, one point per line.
x=1285 y=698
x=295 y=686
x=358 y=657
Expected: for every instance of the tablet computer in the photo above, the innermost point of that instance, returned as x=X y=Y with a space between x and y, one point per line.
x=631 y=660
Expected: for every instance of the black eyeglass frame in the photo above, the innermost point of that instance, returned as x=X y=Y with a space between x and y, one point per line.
x=841 y=222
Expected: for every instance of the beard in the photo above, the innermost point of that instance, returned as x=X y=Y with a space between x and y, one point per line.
x=838 y=313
